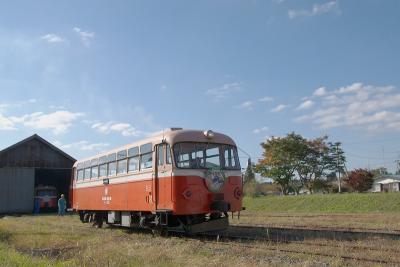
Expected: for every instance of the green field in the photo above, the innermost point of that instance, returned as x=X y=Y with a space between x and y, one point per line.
x=378 y=212
x=326 y=203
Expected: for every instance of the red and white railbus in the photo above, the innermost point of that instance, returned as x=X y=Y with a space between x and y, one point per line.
x=185 y=179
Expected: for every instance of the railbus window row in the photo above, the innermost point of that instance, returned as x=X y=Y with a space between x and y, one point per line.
x=122 y=162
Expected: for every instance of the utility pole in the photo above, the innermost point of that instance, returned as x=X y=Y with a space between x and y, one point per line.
x=337 y=166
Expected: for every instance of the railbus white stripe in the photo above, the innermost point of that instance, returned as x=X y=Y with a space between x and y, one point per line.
x=147 y=176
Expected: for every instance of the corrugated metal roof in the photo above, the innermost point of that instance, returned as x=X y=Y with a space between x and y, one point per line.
x=40 y=139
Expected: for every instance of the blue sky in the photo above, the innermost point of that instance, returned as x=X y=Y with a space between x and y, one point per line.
x=92 y=75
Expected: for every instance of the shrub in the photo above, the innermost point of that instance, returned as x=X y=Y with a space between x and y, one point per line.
x=360 y=180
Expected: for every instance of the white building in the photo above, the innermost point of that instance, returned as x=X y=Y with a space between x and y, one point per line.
x=386 y=183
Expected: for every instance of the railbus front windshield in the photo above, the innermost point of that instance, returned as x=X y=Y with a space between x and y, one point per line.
x=190 y=155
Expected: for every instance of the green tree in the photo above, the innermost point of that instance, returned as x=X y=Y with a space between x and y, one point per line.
x=280 y=158
x=285 y=158
x=338 y=163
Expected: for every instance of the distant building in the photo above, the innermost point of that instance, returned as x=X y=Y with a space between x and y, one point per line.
x=28 y=164
x=386 y=183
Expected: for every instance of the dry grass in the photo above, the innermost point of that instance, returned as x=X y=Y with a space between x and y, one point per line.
x=55 y=241
x=369 y=221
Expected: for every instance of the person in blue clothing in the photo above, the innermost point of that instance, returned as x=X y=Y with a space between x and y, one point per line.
x=61 y=205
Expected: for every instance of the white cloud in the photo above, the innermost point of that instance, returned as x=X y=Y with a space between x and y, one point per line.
x=125 y=129
x=224 y=91
x=81 y=145
x=86 y=37
x=357 y=105
x=246 y=105
x=355 y=87
x=306 y=104
x=58 y=122
x=317 y=9
x=266 y=99
x=6 y=123
x=52 y=38
x=320 y=91
x=260 y=130
x=279 y=108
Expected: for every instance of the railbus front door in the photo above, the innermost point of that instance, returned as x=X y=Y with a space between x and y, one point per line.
x=163 y=183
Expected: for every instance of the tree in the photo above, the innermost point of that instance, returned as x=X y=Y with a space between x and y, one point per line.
x=315 y=161
x=249 y=174
x=338 y=161
x=379 y=171
x=285 y=158
x=360 y=180
x=280 y=159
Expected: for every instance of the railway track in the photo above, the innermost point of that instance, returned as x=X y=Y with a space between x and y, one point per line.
x=289 y=241
x=299 y=226
x=304 y=232
x=307 y=248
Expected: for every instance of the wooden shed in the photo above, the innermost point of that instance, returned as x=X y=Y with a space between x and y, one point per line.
x=28 y=164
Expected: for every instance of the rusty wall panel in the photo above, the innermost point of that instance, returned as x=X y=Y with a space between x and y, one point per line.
x=17 y=190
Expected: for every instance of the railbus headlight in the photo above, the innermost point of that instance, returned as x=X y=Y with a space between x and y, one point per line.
x=209 y=134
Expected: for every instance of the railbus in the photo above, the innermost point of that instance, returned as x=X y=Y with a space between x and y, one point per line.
x=178 y=179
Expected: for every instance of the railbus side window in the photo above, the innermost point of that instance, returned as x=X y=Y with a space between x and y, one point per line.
x=87 y=173
x=111 y=168
x=95 y=172
x=160 y=152
x=133 y=164
x=146 y=156
x=133 y=160
x=103 y=166
x=122 y=162
x=112 y=164
x=103 y=170
x=168 y=159
x=121 y=168
x=80 y=174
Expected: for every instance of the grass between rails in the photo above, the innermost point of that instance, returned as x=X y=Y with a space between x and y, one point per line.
x=326 y=203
